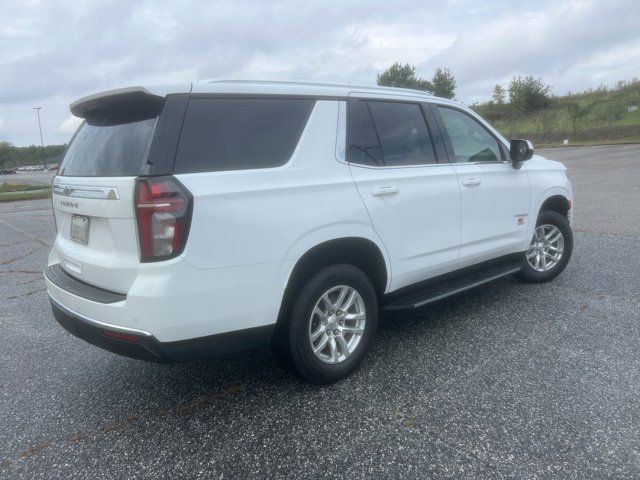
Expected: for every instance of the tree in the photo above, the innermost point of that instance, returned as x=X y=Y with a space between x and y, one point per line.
x=528 y=94
x=444 y=83
x=403 y=76
x=12 y=156
x=576 y=112
x=5 y=154
x=499 y=95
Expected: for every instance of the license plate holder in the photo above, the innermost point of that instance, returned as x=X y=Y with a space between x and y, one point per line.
x=80 y=229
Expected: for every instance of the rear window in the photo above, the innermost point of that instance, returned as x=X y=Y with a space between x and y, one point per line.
x=109 y=151
x=240 y=133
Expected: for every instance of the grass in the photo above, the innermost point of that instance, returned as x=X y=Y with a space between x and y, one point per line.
x=11 y=192
x=593 y=117
x=19 y=187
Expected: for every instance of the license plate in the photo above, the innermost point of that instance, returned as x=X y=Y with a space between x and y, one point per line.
x=80 y=229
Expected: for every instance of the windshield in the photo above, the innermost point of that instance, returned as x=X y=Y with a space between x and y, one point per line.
x=109 y=151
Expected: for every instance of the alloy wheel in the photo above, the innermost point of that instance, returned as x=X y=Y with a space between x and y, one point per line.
x=336 y=324
x=546 y=248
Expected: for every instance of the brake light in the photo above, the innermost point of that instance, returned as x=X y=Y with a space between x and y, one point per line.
x=163 y=210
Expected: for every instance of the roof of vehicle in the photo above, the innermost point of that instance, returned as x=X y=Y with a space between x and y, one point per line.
x=296 y=88
x=246 y=87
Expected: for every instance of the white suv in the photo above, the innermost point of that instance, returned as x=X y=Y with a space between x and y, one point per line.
x=207 y=218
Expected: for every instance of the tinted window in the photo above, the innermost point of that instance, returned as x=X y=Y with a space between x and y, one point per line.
x=403 y=133
x=116 y=150
x=236 y=133
x=364 y=147
x=471 y=142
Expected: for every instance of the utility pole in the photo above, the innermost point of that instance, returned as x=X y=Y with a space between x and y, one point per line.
x=44 y=160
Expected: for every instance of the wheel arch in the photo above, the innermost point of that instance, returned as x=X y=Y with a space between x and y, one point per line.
x=557 y=203
x=361 y=252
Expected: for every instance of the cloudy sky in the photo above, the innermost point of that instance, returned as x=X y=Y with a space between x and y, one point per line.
x=52 y=52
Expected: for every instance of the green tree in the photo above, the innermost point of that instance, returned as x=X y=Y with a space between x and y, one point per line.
x=5 y=154
x=404 y=76
x=444 y=83
x=576 y=112
x=528 y=94
x=499 y=95
x=12 y=156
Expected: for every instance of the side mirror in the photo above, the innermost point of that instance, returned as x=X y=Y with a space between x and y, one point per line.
x=519 y=151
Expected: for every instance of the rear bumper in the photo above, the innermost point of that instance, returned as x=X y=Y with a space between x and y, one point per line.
x=144 y=346
x=173 y=300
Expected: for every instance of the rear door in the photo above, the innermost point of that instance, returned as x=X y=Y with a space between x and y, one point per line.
x=93 y=203
x=494 y=195
x=412 y=199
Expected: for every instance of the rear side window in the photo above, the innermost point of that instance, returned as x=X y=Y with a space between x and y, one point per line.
x=388 y=133
x=109 y=151
x=403 y=133
x=240 y=133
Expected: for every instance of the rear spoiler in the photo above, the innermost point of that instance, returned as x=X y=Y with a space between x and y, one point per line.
x=118 y=106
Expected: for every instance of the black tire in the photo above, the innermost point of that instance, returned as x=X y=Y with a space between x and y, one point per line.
x=300 y=354
x=528 y=273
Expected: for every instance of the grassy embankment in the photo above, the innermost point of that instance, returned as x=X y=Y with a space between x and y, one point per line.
x=594 y=117
x=21 y=191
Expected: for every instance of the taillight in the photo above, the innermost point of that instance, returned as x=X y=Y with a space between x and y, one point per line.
x=163 y=210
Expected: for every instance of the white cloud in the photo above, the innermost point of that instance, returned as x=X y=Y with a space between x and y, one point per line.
x=54 y=52
x=70 y=125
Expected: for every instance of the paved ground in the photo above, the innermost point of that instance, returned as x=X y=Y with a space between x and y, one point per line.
x=607 y=184
x=506 y=381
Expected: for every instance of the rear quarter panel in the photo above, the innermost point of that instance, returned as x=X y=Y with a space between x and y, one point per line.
x=260 y=216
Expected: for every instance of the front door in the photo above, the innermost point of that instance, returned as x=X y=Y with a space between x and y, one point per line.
x=494 y=196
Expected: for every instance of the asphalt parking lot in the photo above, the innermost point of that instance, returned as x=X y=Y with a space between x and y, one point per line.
x=506 y=381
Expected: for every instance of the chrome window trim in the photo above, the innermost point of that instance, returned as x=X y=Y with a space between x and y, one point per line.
x=341 y=133
x=396 y=167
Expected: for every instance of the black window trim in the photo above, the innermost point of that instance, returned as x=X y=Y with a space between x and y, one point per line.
x=347 y=150
x=421 y=105
x=447 y=140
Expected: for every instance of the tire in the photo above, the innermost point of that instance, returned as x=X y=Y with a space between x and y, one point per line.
x=539 y=246
x=311 y=316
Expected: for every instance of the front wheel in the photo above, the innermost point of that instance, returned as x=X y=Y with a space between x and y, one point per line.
x=549 y=251
x=332 y=324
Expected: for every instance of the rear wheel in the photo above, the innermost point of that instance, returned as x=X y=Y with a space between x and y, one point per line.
x=550 y=249
x=332 y=324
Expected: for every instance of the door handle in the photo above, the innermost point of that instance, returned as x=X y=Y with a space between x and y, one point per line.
x=387 y=190
x=470 y=182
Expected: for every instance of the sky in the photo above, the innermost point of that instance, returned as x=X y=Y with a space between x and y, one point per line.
x=53 y=52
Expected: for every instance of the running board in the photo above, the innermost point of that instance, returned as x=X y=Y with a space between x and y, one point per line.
x=440 y=288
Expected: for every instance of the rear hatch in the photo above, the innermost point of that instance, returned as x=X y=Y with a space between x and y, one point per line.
x=93 y=193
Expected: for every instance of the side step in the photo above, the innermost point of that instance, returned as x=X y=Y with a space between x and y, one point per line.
x=447 y=285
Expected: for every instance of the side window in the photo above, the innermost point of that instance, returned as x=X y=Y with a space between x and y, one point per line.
x=240 y=133
x=403 y=133
x=471 y=142
x=364 y=146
